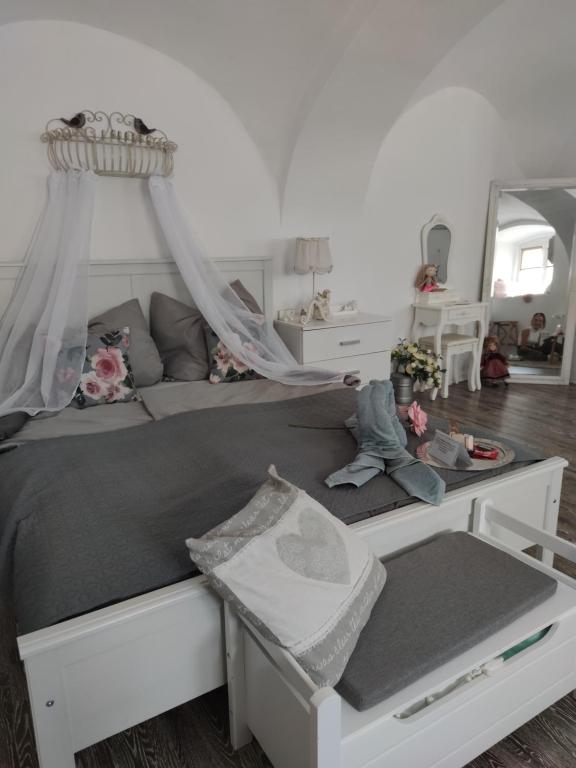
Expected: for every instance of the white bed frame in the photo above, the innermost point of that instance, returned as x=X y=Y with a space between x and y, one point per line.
x=96 y=675
x=433 y=723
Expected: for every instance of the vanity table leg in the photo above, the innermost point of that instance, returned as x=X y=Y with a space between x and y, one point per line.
x=415 y=335
x=438 y=340
x=477 y=369
x=481 y=334
x=472 y=364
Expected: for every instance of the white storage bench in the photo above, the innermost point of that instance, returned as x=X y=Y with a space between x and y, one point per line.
x=442 y=720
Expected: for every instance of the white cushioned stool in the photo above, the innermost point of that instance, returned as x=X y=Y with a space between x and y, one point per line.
x=453 y=344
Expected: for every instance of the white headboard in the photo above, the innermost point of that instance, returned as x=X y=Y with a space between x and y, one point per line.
x=113 y=282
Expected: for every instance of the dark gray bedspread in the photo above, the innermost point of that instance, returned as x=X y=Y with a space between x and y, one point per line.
x=89 y=520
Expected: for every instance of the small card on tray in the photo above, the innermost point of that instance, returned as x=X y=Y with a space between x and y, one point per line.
x=448 y=451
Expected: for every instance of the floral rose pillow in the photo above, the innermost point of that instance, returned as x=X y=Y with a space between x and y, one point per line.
x=224 y=367
x=107 y=376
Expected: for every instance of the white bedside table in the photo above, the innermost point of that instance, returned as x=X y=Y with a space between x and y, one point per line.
x=359 y=344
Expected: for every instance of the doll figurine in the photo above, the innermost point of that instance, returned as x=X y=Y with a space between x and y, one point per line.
x=493 y=364
x=427 y=279
x=318 y=309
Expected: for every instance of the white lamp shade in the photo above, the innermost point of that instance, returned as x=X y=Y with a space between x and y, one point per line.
x=313 y=255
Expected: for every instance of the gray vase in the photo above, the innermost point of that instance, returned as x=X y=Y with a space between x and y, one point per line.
x=402 y=388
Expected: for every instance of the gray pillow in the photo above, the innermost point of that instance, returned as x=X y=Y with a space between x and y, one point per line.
x=244 y=294
x=178 y=331
x=12 y=423
x=144 y=358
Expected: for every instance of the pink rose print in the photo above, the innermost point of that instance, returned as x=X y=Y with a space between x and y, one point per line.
x=224 y=359
x=116 y=392
x=109 y=365
x=239 y=365
x=66 y=375
x=91 y=386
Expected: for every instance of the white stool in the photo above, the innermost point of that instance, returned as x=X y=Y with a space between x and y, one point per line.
x=456 y=344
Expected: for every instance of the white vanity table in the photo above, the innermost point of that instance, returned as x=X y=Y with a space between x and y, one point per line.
x=440 y=309
x=453 y=313
x=441 y=316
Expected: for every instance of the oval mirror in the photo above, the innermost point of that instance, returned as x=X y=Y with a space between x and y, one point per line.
x=436 y=244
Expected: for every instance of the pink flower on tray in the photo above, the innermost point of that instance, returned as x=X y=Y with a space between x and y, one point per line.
x=91 y=386
x=109 y=365
x=418 y=419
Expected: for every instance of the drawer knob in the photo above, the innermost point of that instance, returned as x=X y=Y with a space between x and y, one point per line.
x=349 y=342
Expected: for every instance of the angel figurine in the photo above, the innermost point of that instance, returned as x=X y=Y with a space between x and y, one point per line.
x=318 y=309
x=427 y=279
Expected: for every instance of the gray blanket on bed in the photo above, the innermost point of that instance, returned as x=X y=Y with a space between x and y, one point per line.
x=89 y=520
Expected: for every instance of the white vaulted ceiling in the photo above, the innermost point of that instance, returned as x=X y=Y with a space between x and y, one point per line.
x=271 y=59
x=318 y=84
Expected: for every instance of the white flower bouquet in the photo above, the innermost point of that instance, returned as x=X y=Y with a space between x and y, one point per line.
x=420 y=364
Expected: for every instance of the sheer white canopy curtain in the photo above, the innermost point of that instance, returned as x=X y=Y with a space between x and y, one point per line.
x=251 y=338
x=43 y=331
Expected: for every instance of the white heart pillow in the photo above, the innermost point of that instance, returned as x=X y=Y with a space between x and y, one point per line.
x=301 y=576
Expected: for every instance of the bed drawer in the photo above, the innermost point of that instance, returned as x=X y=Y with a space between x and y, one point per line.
x=333 y=343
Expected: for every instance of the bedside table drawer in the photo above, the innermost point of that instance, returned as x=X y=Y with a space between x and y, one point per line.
x=344 y=341
x=366 y=367
x=462 y=315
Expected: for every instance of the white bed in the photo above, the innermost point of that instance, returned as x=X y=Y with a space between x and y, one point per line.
x=93 y=676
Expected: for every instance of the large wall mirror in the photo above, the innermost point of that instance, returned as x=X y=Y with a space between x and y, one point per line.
x=529 y=276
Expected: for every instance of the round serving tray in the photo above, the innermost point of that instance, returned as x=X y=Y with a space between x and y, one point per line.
x=505 y=456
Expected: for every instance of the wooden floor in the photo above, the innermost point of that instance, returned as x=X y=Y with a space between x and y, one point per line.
x=195 y=735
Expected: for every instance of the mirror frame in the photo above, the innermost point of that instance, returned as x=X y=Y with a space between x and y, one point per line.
x=437 y=219
x=503 y=185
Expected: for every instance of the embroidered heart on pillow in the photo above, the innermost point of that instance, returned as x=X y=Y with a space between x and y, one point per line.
x=317 y=552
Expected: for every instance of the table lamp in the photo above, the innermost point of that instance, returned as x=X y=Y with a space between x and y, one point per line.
x=313 y=255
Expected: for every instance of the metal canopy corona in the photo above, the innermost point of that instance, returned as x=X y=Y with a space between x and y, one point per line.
x=109 y=145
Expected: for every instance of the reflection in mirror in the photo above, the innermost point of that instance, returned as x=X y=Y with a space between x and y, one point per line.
x=436 y=240
x=438 y=248
x=527 y=276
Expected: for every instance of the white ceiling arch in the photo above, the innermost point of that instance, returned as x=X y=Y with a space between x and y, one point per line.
x=370 y=86
x=319 y=83
x=267 y=58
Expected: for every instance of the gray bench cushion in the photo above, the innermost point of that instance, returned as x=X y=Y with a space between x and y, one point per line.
x=440 y=599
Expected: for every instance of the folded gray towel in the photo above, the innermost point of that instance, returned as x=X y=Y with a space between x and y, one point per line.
x=381 y=448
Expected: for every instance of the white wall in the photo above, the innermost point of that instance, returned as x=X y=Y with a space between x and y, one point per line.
x=362 y=171
x=438 y=158
x=49 y=69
